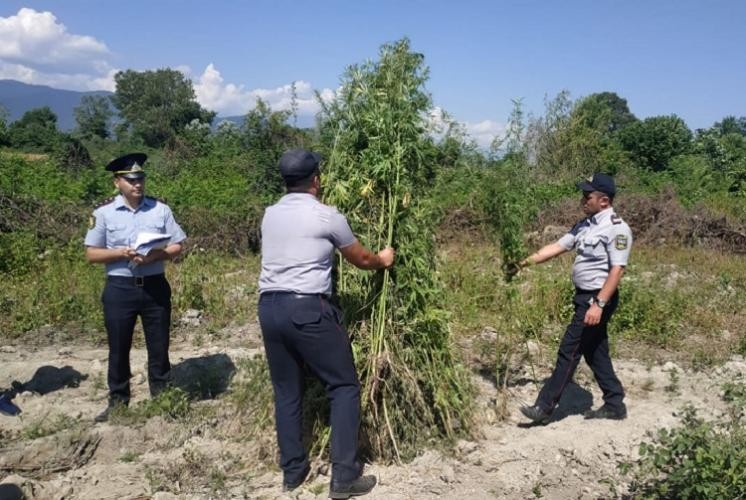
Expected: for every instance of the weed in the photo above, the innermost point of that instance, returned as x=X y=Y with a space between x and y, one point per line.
x=735 y=394
x=317 y=489
x=46 y=426
x=673 y=382
x=536 y=490
x=377 y=174
x=129 y=456
x=697 y=460
x=173 y=404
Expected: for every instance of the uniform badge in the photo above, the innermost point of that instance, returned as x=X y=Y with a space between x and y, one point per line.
x=615 y=219
x=91 y=222
x=621 y=242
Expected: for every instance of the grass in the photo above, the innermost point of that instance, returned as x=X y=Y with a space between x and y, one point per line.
x=47 y=425
x=172 y=404
x=65 y=292
x=680 y=296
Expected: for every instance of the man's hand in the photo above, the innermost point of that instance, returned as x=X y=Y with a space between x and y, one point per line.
x=511 y=269
x=593 y=315
x=127 y=253
x=154 y=255
x=387 y=256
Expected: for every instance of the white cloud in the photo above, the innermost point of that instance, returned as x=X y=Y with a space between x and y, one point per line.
x=36 y=48
x=483 y=133
x=38 y=40
x=230 y=99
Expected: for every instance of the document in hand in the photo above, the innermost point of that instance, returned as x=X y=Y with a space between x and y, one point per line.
x=145 y=242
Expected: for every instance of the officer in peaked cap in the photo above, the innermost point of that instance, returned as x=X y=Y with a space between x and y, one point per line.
x=301 y=327
x=135 y=281
x=602 y=243
x=128 y=166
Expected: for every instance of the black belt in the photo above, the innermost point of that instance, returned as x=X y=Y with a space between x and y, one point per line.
x=294 y=295
x=580 y=290
x=138 y=281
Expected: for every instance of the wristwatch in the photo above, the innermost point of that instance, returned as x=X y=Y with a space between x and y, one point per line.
x=595 y=300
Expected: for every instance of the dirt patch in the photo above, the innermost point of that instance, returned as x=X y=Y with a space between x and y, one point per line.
x=212 y=456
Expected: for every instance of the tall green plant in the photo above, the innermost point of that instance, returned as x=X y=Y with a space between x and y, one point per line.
x=413 y=386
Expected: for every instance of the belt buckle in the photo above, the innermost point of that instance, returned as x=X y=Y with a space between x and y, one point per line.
x=140 y=281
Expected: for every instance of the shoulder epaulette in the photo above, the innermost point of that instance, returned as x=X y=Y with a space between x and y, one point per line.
x=615 y=219
x=156 y=198
x=105 y=202
x=578 y=226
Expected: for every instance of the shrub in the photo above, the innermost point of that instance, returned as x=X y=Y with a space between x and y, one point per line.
x=697 y=460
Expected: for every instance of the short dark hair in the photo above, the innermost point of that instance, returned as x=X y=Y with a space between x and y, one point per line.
x=301 y=185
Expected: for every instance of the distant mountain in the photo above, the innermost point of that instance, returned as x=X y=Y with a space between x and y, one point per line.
x=18 y=97
x=304 y=121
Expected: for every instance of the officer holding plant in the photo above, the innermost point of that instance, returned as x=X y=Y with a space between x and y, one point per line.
x=602 y=243
x=302 y=329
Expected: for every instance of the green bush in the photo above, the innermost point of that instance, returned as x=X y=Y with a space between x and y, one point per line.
x=650 y=313
x=698 y=460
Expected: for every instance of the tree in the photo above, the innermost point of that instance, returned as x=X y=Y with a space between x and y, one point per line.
x=93 y=116
x=36 y=131
x=158 y=104
x=731 y=125
x=652 y=142
x=604 y=111
x=266 y=134
x=4 y=137
x=71 y=154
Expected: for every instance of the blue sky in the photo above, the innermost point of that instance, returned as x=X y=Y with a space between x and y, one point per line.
x=675 y=56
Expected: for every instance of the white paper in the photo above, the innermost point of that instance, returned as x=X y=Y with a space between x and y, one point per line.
x=144 y=239
x=145 y=242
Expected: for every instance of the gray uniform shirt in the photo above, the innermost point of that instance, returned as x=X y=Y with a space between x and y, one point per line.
x=600 y=242
x=115 y=225
x=299 y=235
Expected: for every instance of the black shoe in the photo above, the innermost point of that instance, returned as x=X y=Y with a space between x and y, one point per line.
x=609 y=412
x=357 y=487
x=290 y=486
x=7 y=407
x=536 y=414
x=110 y=408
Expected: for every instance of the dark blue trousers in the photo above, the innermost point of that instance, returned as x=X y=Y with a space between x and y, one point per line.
x=124 y=300
x=591 y=342
x=305 y=331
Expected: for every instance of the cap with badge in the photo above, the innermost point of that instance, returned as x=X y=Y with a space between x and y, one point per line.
x=128 y=166
x=298 y=164
x=599 y=182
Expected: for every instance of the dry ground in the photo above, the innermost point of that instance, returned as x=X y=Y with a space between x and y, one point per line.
x=568 y=458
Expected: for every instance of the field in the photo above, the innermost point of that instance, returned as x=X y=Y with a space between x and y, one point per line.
x=447 y=343
x=212 y=437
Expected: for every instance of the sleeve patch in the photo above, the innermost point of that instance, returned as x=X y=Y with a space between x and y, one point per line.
x=91 y=222
x=621 y=242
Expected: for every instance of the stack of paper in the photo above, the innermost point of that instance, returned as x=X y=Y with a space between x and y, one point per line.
x=145 y=242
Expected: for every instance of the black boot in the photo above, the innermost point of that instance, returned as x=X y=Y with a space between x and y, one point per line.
x=609 y=412
x=291 y=485
x=113 y=405
x=536 y=414
x=356 y=487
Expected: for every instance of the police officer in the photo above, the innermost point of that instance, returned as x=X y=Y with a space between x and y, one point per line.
x=302 y=328
x=135 y=283
x=602 y=243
